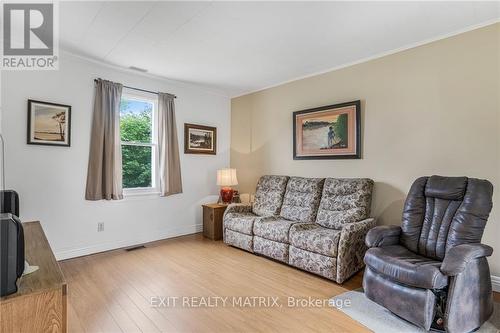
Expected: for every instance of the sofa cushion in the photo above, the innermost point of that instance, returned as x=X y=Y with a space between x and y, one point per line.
x=344 y=201
x=403 y=266
x=273 y=228
x=301 y=199
x=315 y=238
x=269 y=195
x=241 y=222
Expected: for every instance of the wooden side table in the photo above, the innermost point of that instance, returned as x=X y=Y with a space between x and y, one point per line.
x=212 y=220
x=40 y=302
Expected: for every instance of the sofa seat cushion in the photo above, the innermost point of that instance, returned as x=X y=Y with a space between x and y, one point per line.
x=273 y=228
x=301 y=199
x=269 y=195
x=403 y=266
x=313 y=237
x=345 y=200
x=240 y=222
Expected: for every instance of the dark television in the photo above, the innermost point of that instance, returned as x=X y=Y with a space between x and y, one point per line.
x=11 y=243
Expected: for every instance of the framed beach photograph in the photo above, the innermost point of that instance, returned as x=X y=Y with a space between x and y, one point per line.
x=328 y=132
x=49 y=124
x=199 y=139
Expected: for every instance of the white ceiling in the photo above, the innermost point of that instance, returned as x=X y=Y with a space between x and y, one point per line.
x=238 y=47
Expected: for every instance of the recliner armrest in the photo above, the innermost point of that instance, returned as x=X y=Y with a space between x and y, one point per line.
x=383 y=235
x=457 y=258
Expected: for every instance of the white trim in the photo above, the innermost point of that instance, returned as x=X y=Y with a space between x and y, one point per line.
x=141 y=192
x=495 y=283
x=155 y=161
x=63 y=254
x=377 y=56
x=148 y=75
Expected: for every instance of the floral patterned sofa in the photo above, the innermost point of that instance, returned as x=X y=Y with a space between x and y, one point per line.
x=316 y=224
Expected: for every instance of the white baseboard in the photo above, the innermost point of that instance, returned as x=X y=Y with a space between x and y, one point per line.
x=495 y=283
x=141 y=239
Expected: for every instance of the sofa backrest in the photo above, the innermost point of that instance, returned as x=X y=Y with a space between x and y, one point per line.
x=443 y=212
x=301 y=199
x=269 y=195
x=344 y=201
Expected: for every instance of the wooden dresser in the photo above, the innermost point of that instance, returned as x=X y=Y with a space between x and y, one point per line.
x=40 y=303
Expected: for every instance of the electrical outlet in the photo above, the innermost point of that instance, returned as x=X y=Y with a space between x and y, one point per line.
x=100 y=226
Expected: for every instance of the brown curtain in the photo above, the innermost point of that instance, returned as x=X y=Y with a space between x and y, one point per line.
x=104 y=175
x=168 y=147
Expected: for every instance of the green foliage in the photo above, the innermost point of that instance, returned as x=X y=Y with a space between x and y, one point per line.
x=313 y=124
x=135 y=127
x=136 y=160
x=341 y=129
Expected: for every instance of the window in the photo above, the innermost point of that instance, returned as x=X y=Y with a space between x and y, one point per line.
x=138 y=128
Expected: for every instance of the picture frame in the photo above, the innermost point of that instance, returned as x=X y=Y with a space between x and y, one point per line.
x=49 y=124
x=200 y=139
x=328 y=132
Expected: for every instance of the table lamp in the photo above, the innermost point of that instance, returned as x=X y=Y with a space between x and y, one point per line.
x=226 y=178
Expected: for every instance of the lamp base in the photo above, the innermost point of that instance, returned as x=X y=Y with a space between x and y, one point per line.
x=226 y=195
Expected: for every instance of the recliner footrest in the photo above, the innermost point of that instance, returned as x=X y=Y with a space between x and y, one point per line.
x=416 y=305
x=271 y=249
x=239 y=240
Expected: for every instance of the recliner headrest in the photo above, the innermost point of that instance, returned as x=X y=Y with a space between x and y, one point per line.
x=448 y=188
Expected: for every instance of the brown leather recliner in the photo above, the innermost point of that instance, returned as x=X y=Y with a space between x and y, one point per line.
x=433 y=269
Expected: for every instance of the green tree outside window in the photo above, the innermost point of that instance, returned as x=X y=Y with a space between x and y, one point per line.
x=136 y=127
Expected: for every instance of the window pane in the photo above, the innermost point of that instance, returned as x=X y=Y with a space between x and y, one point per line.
x=136 y=162
x=135 y=120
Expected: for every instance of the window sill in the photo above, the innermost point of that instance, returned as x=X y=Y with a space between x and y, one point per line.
x=132 y=193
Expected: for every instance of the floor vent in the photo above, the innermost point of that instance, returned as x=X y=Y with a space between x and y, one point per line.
x=135 y=248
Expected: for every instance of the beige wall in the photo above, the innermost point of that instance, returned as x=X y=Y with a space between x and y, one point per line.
x=429 y=110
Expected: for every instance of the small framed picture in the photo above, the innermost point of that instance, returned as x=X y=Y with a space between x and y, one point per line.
x=199 y=139
x=328 y=132
x=49 y=124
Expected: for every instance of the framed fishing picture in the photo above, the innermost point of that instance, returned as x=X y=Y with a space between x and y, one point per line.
x=328 y=132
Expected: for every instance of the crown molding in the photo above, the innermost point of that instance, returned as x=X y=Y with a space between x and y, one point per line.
x=378 y=55
x=147 y=75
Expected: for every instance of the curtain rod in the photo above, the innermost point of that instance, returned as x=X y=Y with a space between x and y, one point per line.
x=138 y=89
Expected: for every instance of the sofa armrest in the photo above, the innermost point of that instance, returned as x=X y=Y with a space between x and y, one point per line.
x=351 y=248
x=383 y=235
x=233 y=208
x=238 y=208
x=457 y=258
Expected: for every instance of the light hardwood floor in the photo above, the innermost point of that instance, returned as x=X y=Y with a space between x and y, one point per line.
x=111 y=292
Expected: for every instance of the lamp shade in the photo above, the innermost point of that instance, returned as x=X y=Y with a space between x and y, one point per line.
x=227 y=177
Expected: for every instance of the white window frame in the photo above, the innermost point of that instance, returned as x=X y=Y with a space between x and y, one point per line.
x=130 y=94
